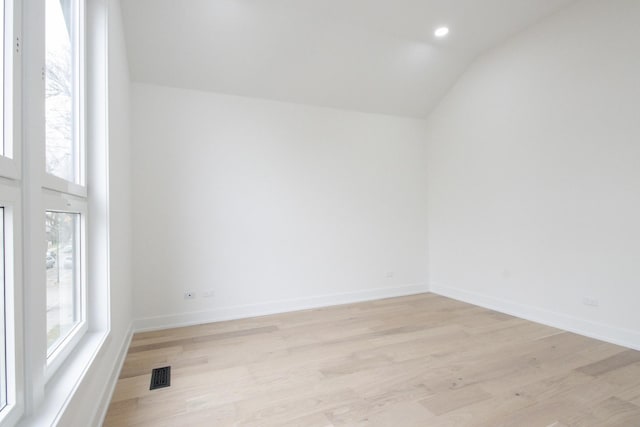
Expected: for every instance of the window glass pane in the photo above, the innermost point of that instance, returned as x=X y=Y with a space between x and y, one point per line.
x=3 y=341
x=63 y=276
x=61 y=90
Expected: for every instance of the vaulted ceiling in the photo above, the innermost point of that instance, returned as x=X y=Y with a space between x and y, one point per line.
x=376 y=56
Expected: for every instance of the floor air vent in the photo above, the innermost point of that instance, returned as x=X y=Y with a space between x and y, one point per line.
x=160 y=377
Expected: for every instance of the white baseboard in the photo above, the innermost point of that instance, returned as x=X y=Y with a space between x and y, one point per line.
x=110 y=386
x=624 y=337
x=273 y=307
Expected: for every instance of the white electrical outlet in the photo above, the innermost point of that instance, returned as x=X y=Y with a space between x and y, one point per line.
x=208 y=293
x=389 y=274
x=591 y=302
x=189 y=295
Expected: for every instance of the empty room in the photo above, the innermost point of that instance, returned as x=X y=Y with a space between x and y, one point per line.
x=280 y=213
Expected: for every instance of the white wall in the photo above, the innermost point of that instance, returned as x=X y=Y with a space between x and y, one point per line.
x=534 y=175
x=273 y=206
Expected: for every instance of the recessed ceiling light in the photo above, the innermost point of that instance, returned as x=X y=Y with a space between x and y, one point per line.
x=441 y=32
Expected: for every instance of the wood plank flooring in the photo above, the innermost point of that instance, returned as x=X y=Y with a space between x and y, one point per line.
x=423 y=360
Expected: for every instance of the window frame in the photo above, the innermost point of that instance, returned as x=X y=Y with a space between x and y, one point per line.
x=70 y=204
x=61 y=195
x=44 y=385
x=11 y=198
x=51 y=181
x=10 y=201
x=11 y=160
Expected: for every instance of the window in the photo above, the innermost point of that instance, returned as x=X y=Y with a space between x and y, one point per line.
x=62 y=262
x=9 y=165
x=43 y=249
x=11 y=375
x=2 y=78
x=63 y=90
x=3 y=341
x=63 y=184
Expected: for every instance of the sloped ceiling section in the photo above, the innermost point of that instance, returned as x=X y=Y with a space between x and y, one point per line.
x=377 y=56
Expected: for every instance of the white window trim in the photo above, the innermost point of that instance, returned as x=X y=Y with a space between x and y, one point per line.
x=9 y=168
x=52 y=182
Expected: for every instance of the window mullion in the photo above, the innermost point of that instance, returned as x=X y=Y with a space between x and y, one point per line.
x=33 y=206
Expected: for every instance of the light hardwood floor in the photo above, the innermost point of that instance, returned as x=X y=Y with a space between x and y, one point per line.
x=422 y=360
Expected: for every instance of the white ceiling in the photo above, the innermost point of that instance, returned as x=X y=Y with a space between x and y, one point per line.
x=375 y=56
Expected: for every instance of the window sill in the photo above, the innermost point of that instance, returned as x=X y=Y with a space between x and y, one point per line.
x=64 y=383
